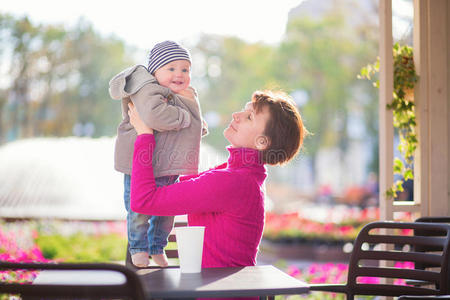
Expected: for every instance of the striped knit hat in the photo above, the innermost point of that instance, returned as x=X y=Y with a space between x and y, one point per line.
x=164 y=53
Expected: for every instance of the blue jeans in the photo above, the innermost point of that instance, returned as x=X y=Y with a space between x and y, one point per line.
x=147 y=233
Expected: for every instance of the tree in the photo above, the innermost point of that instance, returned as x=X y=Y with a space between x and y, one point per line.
x=22 y=38
x=232 y=71
x=94 y=60
x=322 y=57
x=58 y=78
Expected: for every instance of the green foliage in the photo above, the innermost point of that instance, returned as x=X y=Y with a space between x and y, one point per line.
x=59 y=77
x=244 y=68
x=83 y=248
x=74 y=65
x=321 y=57
x=402 y=106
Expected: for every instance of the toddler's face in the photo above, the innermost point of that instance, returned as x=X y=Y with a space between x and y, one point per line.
x=175 y=75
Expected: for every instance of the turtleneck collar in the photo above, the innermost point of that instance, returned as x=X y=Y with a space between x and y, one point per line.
x=242 y=157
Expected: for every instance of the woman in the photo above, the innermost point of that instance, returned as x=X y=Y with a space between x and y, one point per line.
x=228 y=200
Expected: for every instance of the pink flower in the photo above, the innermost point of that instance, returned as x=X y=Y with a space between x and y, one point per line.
x=404 y=265
x=368 y=280
x=399 y=282
x=294 y=271
x=278 y=225
x=37 y=254
x=326 y=273
x=5 y=256
x=408 y=265
x=407 y=232
x=328 y=227
x=34 y=234
x=313 y=268
x=321 y=279
x=345 y=230
x=327 y=267
x=342 y=267
x=22 y=255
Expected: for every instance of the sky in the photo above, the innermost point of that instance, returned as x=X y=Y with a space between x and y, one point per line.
x=143 y=23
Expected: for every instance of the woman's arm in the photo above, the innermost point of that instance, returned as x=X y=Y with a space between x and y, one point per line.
x=213 y=191
x=187 y=177
x=142 y=128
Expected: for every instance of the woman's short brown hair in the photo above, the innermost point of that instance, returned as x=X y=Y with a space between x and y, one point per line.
x=284 y=128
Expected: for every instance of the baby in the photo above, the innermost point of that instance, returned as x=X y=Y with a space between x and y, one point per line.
x=165 y=101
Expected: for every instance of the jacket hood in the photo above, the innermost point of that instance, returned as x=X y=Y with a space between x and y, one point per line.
x=129 y=82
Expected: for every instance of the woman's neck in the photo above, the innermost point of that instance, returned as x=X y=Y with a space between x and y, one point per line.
x=241 y=156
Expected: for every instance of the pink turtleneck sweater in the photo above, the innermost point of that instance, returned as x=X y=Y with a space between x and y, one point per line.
x=228 y=200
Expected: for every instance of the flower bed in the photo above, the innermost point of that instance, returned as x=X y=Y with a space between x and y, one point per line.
x=12 y=251
x=330 y=273
x=297 y=228
x=47 y=241
x=78 y=241
x=326 y=237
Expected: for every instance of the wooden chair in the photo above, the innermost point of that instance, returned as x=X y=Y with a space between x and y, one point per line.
x=441 y=219
x=114 y=281
x=369 y=260
x=426 y=248
x=172 y=254
x=423 y=297
x=180 y=221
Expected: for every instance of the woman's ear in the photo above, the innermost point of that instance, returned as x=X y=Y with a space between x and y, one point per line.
x=262 y=142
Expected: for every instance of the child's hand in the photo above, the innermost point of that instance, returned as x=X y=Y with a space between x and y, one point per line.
x=136 y=120
x=205 y=130
x=188 y=92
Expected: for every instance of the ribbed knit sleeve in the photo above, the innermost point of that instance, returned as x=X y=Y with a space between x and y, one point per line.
x=209 y=192
x=187 y=177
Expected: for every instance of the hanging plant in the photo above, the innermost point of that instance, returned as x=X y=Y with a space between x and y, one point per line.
x=402 y=106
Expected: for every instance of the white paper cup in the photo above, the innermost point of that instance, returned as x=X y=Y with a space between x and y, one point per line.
x=190 y=248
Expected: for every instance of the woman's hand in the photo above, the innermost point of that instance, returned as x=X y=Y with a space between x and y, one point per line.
x=136 y=120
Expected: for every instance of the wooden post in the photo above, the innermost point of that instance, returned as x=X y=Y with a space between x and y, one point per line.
x=438 y=97
x=431 y=58
x=421 y=156
x=448 y=102
x=386 y=129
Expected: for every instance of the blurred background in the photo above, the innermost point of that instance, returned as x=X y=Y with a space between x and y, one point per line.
x=58 y=123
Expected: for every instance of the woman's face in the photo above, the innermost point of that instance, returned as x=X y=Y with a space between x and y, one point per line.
x=247 y=128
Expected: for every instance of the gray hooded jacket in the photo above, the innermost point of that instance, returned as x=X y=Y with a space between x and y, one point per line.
x=177 y=121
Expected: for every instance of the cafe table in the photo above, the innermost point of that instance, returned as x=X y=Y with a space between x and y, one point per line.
x=263 y=281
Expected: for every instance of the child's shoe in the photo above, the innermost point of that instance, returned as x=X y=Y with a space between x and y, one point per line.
x=160 y=260
x=140 y=259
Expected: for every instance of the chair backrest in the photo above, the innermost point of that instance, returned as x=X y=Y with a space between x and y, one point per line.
x=429 y=219
x=447 y=297
x=127 y=286
x=381 y=251
x=426 y=248
x=173 y=253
